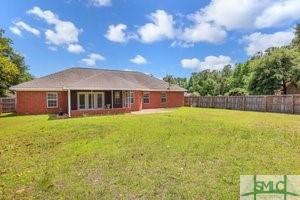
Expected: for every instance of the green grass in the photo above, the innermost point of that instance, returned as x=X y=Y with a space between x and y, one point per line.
x=190 y=153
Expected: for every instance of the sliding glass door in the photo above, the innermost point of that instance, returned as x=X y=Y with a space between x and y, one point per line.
x=90 y=100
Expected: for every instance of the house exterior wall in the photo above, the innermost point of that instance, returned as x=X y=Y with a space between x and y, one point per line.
x=35 y=102
x=174 y=99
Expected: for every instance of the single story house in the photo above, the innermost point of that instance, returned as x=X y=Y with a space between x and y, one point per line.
x=87 y=91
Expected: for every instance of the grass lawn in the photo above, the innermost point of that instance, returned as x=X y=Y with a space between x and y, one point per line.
x=190 y=153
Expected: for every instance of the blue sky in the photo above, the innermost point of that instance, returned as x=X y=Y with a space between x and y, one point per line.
x=157 y=37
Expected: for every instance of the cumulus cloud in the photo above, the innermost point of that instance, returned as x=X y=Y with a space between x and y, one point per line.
x=101 y=3
x=161 y=27
x=203 y=32
x=139 y=60
x=15 y=30
x=92 y=59
x=209 y=62
x=259 y=42
x=116 y=33
x=64 y=32
x=278 y=13
x=248 y=14
x=75 y=48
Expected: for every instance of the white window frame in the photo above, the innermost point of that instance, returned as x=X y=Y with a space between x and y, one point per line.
x=56 y=99
x=86 y=100
x=161 y=97
x=131 y=97
x=148 y=97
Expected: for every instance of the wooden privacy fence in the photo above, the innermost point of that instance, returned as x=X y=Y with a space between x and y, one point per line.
x=7 y=105
x=280 y=103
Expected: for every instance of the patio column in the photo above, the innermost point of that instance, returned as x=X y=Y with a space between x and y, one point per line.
x=69 y=103
x=112 y=99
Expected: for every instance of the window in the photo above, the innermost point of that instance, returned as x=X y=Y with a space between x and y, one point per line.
x=146 y=97
x=117 y=98
x=81 y=101
x=131 y=97
x=163 y=97
x=52 y=100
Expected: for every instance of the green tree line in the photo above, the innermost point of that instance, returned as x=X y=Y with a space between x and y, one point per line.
x=12 y=66
x=263 y=74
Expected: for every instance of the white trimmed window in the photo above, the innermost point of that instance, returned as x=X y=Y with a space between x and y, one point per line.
x=52 y=100
x=163 y=97
x=131 y=97
x=146 y=97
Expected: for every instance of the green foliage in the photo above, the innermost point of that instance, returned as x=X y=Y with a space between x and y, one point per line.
x=237 y=92
x=182 y=82
x=296 y=40
x=274 y=71
x=210 y=82
x=12 y=66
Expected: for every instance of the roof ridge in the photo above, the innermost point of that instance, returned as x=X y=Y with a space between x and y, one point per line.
x=105 y=69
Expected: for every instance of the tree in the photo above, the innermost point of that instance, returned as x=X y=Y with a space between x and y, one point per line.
x=296 y=40
x=12 y=66
x=274 y=71
x=182 y=82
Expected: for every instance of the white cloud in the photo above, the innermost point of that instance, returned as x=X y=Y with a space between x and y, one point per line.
x=160 y=28
x=15 y=30
x=116 y=33
x=232 y=14
x=65 y=32
x=139 y=60
x=100 y=3
x=259 y=42
x=92 y=59
x=210 y=62
x=23 y=26
x=203 y=32
x=278 y=13
x=75 y=48
x=248 y=14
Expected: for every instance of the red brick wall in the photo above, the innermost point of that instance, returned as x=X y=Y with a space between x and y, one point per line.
x=35 y=102
x=174 y=99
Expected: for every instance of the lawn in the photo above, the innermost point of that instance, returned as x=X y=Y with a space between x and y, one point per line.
x=190 y=153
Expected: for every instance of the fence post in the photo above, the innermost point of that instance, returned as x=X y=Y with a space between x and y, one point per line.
x=293 y=104
x=266 y=104
x=0 y=105
x=226 y=102
x=244 y=99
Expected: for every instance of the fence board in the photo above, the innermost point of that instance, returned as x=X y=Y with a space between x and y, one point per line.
x=280 y=103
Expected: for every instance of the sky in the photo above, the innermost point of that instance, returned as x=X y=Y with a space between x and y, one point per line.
x=156 y=37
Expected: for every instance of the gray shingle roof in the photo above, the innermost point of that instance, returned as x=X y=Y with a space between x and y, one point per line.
x=97 y=79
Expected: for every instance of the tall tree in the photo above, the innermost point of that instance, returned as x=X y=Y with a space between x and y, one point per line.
x=274 y=71
x=296 y=40
x=12 y=66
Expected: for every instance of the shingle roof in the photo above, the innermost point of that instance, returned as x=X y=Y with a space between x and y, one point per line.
x=97 y=79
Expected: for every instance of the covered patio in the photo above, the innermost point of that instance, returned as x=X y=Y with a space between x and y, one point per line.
x=90 y=102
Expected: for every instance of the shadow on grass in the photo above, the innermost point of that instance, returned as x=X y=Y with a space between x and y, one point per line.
x=57 y=117
x=4 y=115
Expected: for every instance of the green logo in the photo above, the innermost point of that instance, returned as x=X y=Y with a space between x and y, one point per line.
x=267 y=187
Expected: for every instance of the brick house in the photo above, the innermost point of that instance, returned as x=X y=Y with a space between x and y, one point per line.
x=87 y=91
